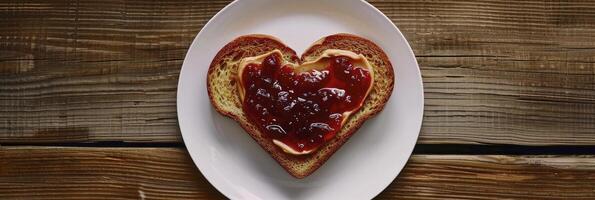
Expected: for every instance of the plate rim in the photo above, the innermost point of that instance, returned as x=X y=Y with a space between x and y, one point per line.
x=221 y=188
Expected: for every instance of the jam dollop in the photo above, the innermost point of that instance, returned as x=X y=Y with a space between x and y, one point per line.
x=305 y=109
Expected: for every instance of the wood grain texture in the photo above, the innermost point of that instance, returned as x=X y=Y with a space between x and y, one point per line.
x=503 y=72
x=83 y=71
x=100 y=173
x=495 y=72
x=168 y=173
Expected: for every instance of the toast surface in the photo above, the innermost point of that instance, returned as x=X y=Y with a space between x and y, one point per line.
x=223 y=91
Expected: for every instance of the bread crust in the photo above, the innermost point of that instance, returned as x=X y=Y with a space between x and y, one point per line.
x=301 y=166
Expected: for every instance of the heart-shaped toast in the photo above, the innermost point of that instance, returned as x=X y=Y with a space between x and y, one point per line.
x=300 y=110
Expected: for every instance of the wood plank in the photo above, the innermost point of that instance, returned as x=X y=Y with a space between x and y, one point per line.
x=90 y=71
x=496 y=73
x=494 y=177
x=129 y=173
x=101 y=173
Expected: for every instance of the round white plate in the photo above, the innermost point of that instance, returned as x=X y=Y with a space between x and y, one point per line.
x=238 y=167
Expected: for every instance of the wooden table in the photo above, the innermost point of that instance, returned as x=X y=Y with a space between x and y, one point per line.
x=88 y=99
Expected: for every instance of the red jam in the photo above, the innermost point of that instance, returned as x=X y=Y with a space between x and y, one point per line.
x=303 y=110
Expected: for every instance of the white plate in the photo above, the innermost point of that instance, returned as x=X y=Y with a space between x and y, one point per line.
x=238 y=167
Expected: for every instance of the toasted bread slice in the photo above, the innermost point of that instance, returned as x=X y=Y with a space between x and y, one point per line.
x=223 y=91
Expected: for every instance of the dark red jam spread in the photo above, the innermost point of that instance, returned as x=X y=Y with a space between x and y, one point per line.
x=303 y=109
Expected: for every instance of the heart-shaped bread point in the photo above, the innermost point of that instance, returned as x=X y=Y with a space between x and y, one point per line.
x=302 y=106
